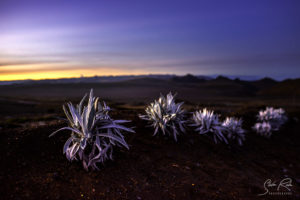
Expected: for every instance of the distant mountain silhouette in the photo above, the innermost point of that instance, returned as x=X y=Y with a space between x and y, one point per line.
x=222 y=78
x=187 y=79
x=145 y=81
x=145 y=86
x=264 y=83
x=289 y=87
x=219 y=86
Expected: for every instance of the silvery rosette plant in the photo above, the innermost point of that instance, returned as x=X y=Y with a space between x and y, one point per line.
x=276 y=117
x=166 y=116
x=93 y=132
x=263 y=129
x=269 y=120
x=233 y=129
x=206 y=122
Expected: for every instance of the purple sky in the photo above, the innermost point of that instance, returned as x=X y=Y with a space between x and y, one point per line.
x=257 y=37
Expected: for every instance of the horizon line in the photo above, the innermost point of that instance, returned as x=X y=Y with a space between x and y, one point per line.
x=255 y=77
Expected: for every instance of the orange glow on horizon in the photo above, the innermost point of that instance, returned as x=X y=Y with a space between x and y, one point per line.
x=22 y=72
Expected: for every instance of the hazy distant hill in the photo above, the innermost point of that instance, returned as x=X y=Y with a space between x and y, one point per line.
x=188 y=79
x=141 y=88
x=104 y=79
x=94 y=79
x=264 y=83
x=286 y=87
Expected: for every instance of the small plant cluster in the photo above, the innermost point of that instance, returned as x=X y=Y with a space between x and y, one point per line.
x=269 y=120
x=206 y=122
x=168 y=117
x=234 y=130
x=93 y=132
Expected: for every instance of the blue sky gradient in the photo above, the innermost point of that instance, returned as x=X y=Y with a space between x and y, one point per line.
x=258 y=37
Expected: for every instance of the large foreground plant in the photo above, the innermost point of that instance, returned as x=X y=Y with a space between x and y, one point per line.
x=206 y=122
x=93 y=132
x=269 y=120
x=166 y=116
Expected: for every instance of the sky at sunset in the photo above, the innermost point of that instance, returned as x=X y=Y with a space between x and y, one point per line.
x=63 y=38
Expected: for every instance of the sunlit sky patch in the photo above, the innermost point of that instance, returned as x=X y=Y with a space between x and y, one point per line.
x=54 y=39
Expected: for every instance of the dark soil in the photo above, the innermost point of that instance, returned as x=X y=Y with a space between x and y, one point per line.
x=33 y=166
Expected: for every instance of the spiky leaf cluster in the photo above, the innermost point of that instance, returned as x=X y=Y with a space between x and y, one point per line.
x=263 y=129
x=269 y=120
x=206 y=122
x=93 y=132
x=166 y=116
x=233 y=129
